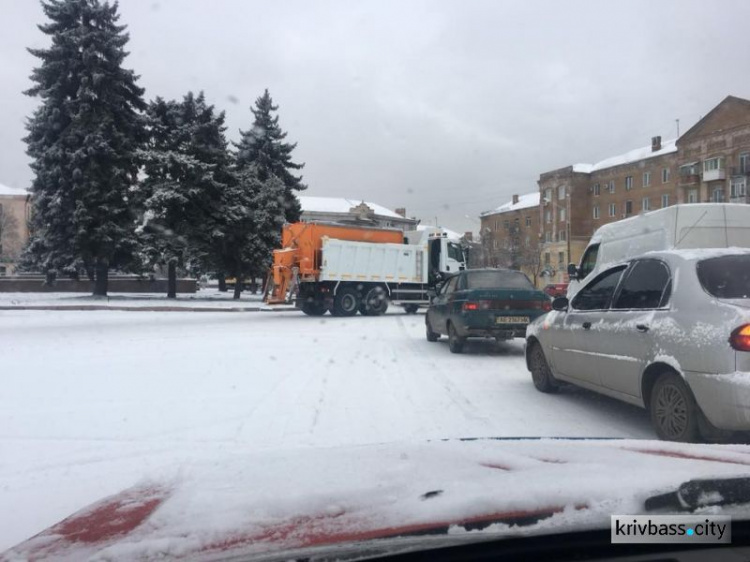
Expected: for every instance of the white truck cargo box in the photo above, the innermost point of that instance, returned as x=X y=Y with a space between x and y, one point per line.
x=362 y=261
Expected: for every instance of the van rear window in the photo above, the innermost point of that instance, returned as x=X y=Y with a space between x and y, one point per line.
x=725 y=277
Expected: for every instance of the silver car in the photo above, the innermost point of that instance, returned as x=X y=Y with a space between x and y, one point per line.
x=668 y=331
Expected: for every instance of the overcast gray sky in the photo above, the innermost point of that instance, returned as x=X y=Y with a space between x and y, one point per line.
x=444 y=107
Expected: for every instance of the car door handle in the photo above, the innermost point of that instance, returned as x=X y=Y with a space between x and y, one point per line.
x=642 y=328
x=586 y=325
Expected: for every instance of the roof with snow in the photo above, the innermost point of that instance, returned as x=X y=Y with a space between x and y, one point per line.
x=632 y=156
x=452 y=234
x=524 y=202
x=341 y=205
x=6 y=190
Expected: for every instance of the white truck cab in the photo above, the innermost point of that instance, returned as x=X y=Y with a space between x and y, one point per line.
x=445 y=253
x=688 y=226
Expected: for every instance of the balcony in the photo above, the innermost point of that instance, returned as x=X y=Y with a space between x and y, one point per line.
x=739 y=199
x=739 y=170
x=689 y=179
x=714 y=175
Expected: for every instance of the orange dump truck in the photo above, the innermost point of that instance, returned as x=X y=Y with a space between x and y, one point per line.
x=348 y=269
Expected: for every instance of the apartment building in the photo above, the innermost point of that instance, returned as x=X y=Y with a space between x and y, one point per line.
x=509 y=235
x=708 y=163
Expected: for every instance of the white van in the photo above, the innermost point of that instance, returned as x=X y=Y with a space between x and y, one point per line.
x=695 y=225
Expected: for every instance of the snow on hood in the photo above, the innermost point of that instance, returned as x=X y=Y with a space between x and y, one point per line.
x=251 y=504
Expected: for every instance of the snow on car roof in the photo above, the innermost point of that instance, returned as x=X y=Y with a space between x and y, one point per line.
x=341 y=205
x=6 y=190
x=524 y=202
x=698 y=253
x=631 y=156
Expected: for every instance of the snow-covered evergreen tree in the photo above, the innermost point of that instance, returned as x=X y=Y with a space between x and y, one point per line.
x=252 y=221
x=83 y=141
x=186 y=168
x=264 y=148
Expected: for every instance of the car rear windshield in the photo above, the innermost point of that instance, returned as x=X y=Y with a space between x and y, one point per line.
x=726 y=277
x=497 y=280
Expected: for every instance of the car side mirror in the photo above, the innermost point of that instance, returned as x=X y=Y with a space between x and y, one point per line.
x=560 y=304
x=573 y=271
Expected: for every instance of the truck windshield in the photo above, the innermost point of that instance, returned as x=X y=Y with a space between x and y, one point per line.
x=726 y=277
x=497 y=280
x=455 y=252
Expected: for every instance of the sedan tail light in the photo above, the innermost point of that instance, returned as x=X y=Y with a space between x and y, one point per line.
x=478 y=305
x=740 y=338
x=547 y=306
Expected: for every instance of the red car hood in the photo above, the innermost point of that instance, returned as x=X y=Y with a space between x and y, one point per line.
x=250 y=505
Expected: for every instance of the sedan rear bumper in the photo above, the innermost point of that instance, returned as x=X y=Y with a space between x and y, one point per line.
x=724 y=399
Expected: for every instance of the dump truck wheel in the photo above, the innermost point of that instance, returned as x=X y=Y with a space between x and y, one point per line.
x=346 y=302
x=411 y=308
x=375 y=302
x=314 y=308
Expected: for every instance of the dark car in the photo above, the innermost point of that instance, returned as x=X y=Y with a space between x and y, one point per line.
x=496 y=303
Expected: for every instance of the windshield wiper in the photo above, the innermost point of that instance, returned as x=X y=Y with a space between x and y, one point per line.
x=702 y=493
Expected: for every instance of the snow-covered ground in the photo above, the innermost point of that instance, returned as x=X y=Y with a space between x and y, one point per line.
x=203 y=298
x=93 y=402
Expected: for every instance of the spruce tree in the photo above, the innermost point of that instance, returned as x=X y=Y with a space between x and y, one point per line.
x=83 y=141
x=186 y=166
x=264 y=148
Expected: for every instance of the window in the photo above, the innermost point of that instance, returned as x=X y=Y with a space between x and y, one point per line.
x=645 y=204
x=548 y=216
x=588 y=262
x=665 y=200
x=496 y=279
x=646 y=179
x=611 y=186
x=561 y=257
x=546 y=258
x=647 y=285
x=451 y=286
x=506 y=224
x=628 y=207
x=713 y=164
x=612 y=209
x=528 y=221
x=548 y=194
x=562 y=214
x=665 y=175
x=597 y=189
x=628 y=183
x=693 y=196
x=548 y=236
x=596 y=211
x=561 y=192
x=725 y=277
x=718 y=195
x=455 y=252
x=562 y=236
x=598 y=294
x=690 y=169
x=738 y=189
x=744 y=161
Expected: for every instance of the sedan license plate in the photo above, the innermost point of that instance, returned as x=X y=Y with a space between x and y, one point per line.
x=512 y=320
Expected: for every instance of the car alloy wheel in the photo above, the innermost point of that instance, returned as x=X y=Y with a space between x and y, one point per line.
x=674 y=412
x=540 y=371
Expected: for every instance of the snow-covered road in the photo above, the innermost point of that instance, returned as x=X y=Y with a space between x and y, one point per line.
x=91 y=402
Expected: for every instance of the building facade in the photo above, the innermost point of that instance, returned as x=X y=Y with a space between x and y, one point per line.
x=350 y=211
x=509 y=236
x=710 y=162
x=15 y=209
